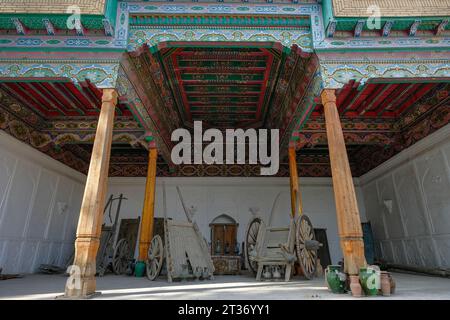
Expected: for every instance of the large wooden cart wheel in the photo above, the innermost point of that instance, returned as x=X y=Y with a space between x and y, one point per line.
x=155 y=258
x=121 y=257
x=306 y=247
x=250 y=242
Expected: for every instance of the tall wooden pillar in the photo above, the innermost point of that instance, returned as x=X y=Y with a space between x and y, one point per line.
x=349 y=222
x=91 y=213
x=293 y=175
x=148 y=211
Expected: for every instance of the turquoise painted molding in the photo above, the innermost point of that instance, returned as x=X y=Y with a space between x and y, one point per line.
x=313 y=11
x=153 y=36
x=337 y=73
x=102 y=74
x=384 y=43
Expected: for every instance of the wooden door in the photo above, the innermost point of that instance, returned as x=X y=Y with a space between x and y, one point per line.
x=225 y=235
x=369 y=247
x=230 y=238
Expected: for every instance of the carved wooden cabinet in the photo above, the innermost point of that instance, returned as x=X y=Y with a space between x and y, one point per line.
x=224 y=246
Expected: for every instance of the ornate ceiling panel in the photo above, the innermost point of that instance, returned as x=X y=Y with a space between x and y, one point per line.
x=225 y=87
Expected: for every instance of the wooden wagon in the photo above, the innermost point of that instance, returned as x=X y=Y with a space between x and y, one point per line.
x=267 y=246
x=184 y=251
x=113 y=254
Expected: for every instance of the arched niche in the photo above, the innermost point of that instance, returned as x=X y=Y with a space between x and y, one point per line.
x=224 y=236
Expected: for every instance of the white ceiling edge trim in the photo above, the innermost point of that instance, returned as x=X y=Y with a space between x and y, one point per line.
x=438 y=137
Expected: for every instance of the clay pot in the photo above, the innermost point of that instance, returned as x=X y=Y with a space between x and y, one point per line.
x=392 y=282
x=355 y=286
x=369 y=281
x=385 y=283
x=334 y=279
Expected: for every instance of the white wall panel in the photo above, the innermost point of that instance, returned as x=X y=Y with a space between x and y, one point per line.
x=374 y=210
x=19 y=200
x=417 y=180
x=392 y=220
x=32 y=229
x=443 y=249
x=410 y=201
x=436 y=186
x=43 y=204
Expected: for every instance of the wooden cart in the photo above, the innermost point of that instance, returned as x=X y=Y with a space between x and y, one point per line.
x=184 y=251
x=281 y=246
x=113 y=254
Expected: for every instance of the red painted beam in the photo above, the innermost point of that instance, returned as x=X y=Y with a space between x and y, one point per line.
x=80 y=99
x=373 y=99
x=222 y=95
x=417 y=94
x=346 y=103
x=222 y=104
x=233 y=56
x=221 y=83
x=364 y=94
x=391 y=107
x=14 y=90
x=65 y=105
x=344 y=92
x=181 y=85
x=224 y=70
x=96 y=92
x=395 y=91
x=264 y=85
x=94 y=101
x=43 y=97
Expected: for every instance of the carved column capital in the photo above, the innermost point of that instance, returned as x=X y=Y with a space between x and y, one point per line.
x=328 y=95
x=110 y=95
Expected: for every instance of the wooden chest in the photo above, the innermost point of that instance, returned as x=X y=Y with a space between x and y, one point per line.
x=227 y=265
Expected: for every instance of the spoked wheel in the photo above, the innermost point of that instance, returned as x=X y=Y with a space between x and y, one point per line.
x=250 y=242
x=155 y=258
x=121 y=257
x=306 y=247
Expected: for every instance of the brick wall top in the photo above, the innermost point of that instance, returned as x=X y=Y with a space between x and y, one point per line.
x=51 y=6
x=392 y=8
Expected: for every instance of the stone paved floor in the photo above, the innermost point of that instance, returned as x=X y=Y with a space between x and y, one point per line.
x=38 y=286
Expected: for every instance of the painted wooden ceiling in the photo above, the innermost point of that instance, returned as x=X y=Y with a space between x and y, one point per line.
x=379 y=118
x=225 y=87
x=57 y=98
x=378 y=98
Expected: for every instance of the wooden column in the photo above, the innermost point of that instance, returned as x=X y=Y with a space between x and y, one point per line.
x=91 y=213
x=349 y=222
x=295 y=194
x=148 y=211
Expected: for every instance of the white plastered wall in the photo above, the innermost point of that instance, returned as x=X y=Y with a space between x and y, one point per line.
x=407 y=200
x=40 y=202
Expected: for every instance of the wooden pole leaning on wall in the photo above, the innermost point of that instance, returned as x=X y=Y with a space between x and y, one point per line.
x=293 y=178
x=349 y=221
x=148 y=212
x=82 y=284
